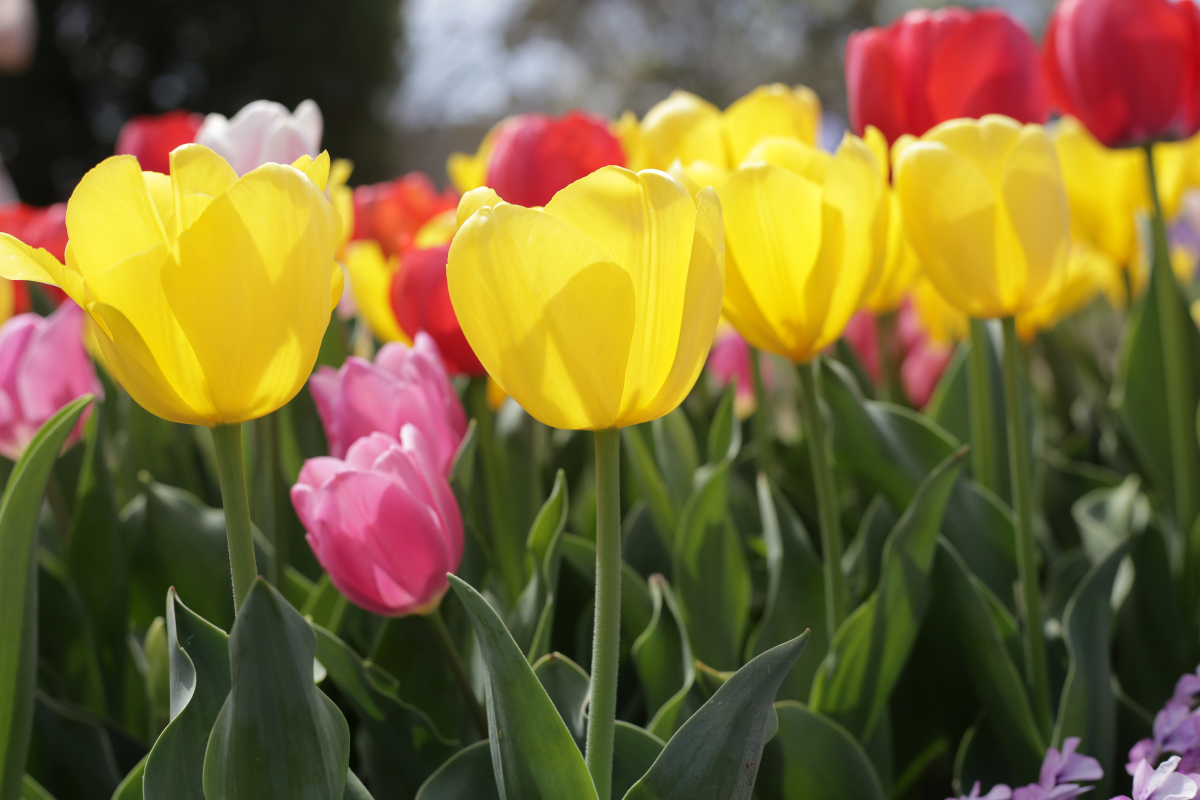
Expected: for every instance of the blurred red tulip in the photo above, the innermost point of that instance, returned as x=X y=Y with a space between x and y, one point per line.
x=421 y=302
x=535 y=155
x=37 y=227
x=152 y=138
x=929 y=67
x=1127 y=69
x=391 y=213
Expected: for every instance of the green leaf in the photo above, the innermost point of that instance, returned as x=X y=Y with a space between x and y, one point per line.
x=663 y=658
x=403 y=747
x=979 y=646
x=32 y=790
x=724 y=433
x=466 y=776
x=355 y=789
x=1088 y=708
x=795 y=591
x=675 y=452
x=462 y=472
x=654 y=489
x=18 y=591
x=71 y=752
x=634 y=751
x=568 y=686
x=532 y=750
x=717 y=752
x=892 y=449
x=277 y=735
x=872 y=646
x=814 y=758
x=198 y=653
x=67 y=644
x=130 y=788
x=325 y=604
x=711 y=576
x=531 y=618
x=636 y=605
x=1139 y=395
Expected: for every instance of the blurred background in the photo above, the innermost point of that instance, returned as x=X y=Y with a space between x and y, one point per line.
x=402 y=83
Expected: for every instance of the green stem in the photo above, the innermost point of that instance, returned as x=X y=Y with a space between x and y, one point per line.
x=508 y=547
x=984 y=462
x=607 y=637
x=227 y=440
x=886 y=343
x=836 y=598
x=445 y=643
x=1036 y=675
x=762 y=416
x=1166 y=296
x=267 y=430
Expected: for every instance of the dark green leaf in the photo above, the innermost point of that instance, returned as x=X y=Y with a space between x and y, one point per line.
x=531 y=618
x=1088 y=708
x=355 y=789
x=32 y=790
x=532 y=748
x=67 y=648
x=717 y=752
x=72 y=752
x=405 y=746
x=711 y=576
x=634 y=752
x=466 y=776
x=277 y=735
x=675 y=452
x=636 y=605
x=871 y=647
x=130 y=788
x=795 y=592
x=814 y=758
x=198 y=653
x=650 y=481
x=664 y=663
x=568 y=686
x=462 y=473
x=724 y=434
x=18 y=591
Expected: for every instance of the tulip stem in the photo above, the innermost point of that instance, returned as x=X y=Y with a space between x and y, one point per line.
x=1166 y=296
x=836 y=598
x=445 y=643
x=762 y=416
x=890 y=389
x=607 y=636
x=267 y=429
x=227 y=440
x=984 y=466
x=1019 y=458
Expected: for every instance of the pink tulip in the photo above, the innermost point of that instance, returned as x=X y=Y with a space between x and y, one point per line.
x=405 y=385
x=43 y=366
x=922 y=361
x=729 y=358
x=383 y=523
x=264 y=132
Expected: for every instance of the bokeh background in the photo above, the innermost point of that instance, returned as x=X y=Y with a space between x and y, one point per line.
x=403 y=83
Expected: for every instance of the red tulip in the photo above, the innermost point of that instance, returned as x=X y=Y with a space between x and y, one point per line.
x=535 y=155
x=421 y=302
x=1128 y=69
x=152 y=138
x=929 y=67
x=392 y=213
x=37 y=227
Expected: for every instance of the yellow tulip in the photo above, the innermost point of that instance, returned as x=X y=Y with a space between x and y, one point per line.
x=899 y=268
x=468 y=171
x=1089 y=272
x=985 y=209
x=687 y=129
x=597 y=311
x=208 y=293
x=803 y=234
x=371 y=274
x=942 y=322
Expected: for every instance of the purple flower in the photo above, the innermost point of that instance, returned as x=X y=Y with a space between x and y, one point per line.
x=1187 y=687
x=998 y=792
x=1163 y=783
x=1060 y=774
x=1176 y=730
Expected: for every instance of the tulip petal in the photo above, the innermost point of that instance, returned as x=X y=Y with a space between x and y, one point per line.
x=111 y=214
x=20 y=262
x=775 y=110
x=198 y=175
x=253 y=298
x=1037 y=210
x=646 y=222
x=474 y=200
x=701 y=310
x=686 y=128
x=371 y=282
x=547 y=312
x=317 y=169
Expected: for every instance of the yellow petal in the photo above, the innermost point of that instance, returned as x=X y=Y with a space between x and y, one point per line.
x=799 y=157
x=474 y=200
x=698 y=174
x=547 y=311
x=111 y=214
x=317 y=169
x=633 y=141
x=686 y=128
x=198 y=175
x=371 y=282
x=900 y=269
x=20 y=262
x=438 y=230
x=774 y=110
x=645 y=222
x=251 y=289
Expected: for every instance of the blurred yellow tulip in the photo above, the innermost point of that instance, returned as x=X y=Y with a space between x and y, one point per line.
x=597 y=311
x=942 y=322
x=209 y=294
x=687 y=129
x=899 y=268
x=804 y=234
x=1089 y=272
x=371 y=273
x=985 y=209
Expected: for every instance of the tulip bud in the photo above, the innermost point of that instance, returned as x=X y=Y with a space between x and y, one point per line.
x=729 y=359
x=264 y=133
x=392 y=213
x=929 y=67
x=43 y=366
x=150 y=139
x=420 y=301
x=405 y=385
x=383 y=523
x=1128 y=69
